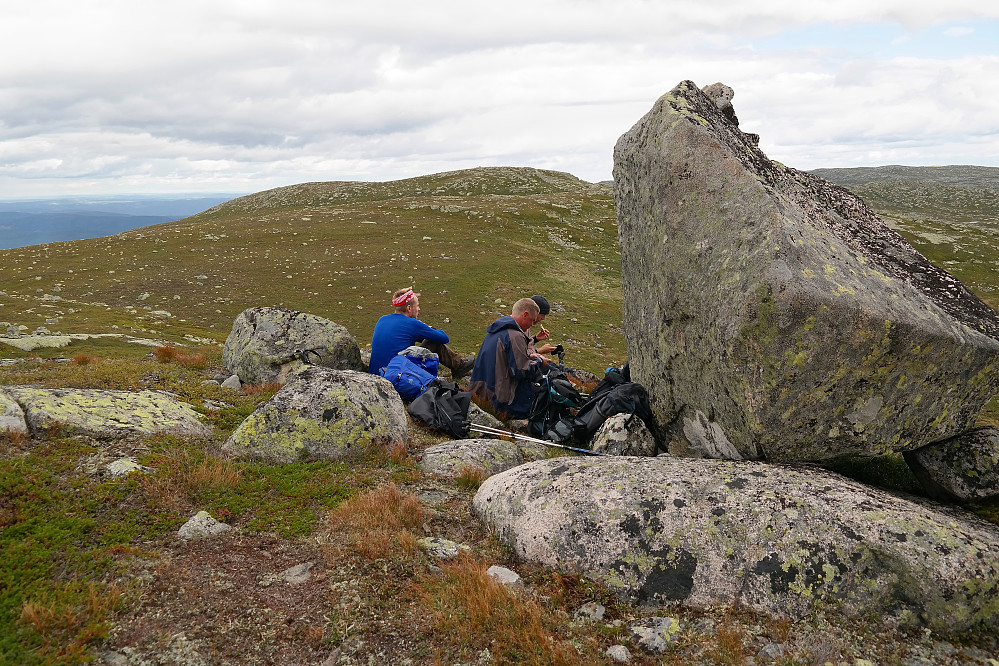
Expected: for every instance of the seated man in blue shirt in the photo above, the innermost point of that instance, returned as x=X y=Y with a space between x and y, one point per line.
x=394 y=332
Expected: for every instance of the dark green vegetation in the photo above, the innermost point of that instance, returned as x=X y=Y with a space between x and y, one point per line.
x=84 y=553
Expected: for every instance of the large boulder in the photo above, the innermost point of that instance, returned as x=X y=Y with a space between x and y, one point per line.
x=322 y=414
x=775 y=538
x=963 y=468
x=105 y=414
x=771 y=314
x=271 y=344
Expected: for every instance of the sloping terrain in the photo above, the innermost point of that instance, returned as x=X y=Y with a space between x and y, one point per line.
x=471 y=242
x=950 y=214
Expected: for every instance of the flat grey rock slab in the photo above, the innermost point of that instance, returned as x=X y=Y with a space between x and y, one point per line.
x=776 y=538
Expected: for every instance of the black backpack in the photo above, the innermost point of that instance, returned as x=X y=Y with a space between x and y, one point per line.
x=442 y=406
x=613 y=395
x=554 y=399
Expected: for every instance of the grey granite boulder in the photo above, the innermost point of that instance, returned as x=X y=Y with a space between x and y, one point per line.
x=106 y=414
x=771 y=314
x=490 y=455
x=775 y=538
x=11 y=415
x=322 y=414
x=963 y=468
x=271 y=344
x=624 y=435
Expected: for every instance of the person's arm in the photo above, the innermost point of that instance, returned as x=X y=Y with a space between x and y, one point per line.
x=423 y=332
x=521 y=361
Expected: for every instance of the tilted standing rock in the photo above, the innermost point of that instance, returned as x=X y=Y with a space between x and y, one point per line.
x=771 y=314
x=270 y=344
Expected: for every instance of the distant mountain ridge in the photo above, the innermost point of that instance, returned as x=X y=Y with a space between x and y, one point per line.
x=960 y=175
x=38 y=221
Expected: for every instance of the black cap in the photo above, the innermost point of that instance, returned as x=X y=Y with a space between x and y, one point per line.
x=542 y=304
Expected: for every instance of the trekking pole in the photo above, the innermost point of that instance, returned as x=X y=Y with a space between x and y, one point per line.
x=489 y=430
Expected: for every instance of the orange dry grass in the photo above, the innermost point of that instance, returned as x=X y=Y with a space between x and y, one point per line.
x=730 y=648
x=85 y=359
x=175 y=482
x=212 y=473
x=269 y=388
x=165 y=354
x=469 y=607
x=470 y=477
x=170 y=354
x=380 y=522
x=14 y=437
x=67 y=626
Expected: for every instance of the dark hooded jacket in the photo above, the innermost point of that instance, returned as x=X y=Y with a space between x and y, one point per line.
x=503 y=369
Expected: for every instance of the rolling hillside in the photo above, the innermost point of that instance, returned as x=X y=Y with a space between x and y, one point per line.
x=471 y=241
x=950 y=214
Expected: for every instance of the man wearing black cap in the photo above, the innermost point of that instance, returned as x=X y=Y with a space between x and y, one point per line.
x=543 y=309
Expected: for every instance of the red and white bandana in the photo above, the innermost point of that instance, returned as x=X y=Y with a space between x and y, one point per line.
x=403 y=298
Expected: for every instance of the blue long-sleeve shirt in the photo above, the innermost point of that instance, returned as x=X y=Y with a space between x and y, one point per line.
x=394 y=332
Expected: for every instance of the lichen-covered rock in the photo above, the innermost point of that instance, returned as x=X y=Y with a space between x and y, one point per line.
x=775 y=538
x=771 y=314
x=272 y=344
x=965 y=468
x=322 y=414
x=107 y=414
x=624 y=435
x=479 y=416
x=490 y=455
x=655 y=634
x=201 y=525
x=11 y=415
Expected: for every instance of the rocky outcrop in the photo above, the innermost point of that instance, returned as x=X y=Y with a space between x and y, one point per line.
x=490 y=455
x=322 y=415
x=105 y=414
x=779 y=539
x=772 y=315
x=271 y=344
x=624 y=435
x=11 y=415
x=963 y=468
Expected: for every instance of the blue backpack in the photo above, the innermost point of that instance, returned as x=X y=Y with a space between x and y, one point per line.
x=409 y=379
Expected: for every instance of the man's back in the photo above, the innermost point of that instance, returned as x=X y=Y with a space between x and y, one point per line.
x=393 y=333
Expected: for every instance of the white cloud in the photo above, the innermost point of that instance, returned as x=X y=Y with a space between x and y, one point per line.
x=208 y=95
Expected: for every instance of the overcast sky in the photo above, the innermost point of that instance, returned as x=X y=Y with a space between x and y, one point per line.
x=102 y=96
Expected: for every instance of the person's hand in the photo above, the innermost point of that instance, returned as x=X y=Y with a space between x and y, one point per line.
x=547 y=349
x=543 y=334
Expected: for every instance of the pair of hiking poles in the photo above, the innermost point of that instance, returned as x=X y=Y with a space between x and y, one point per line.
x=489 y=430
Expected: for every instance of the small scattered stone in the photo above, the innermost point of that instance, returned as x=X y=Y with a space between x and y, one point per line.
x=619 y=653
x=655 y=634
x=771 y=651
x=442 y=549
x=298 y=574
x=505 y=576
x=123 y=467
x=590 y=612
x=201 y=525
x=232 y=383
